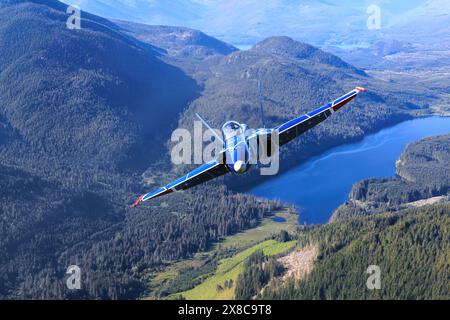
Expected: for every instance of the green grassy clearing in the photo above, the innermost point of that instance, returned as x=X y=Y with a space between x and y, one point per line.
x=236 y=245
x=229 y=269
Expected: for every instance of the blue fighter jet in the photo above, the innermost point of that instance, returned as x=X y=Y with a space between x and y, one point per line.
x=235 y=157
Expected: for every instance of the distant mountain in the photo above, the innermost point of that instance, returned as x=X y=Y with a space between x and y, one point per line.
x=297 y=78
x=179 y=42
x=397 y=55
x=377 y=55
x=315 y=22
x=430 y=23
x=416 y=39
x=322 y=23
x=238 y=22
x=339 y=27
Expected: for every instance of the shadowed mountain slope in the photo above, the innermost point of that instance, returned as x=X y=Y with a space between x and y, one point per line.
x=82 y=114
x=93 y=96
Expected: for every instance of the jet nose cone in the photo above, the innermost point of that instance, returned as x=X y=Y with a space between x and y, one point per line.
x=240 y=166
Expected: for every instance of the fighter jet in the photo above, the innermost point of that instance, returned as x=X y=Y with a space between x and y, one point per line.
x=236 y=153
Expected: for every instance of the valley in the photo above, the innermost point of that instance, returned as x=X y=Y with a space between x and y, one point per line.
x=85 y=120
x=400 y=234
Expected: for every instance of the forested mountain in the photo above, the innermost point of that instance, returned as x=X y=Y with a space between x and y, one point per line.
x=382 y=224
x=426 y=162
x=423 y=172
x=297 y=78
x=409 y=245
x=108 y=99
x=177 y=41
x=410 y=248
x=83 y=113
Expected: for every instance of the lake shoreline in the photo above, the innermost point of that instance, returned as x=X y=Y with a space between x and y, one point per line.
x=292 y=169
x=253 y=180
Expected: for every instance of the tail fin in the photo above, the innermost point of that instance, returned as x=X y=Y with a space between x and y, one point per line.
x=207 y=125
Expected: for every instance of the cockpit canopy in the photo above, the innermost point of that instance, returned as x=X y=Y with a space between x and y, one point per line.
x=232 y=128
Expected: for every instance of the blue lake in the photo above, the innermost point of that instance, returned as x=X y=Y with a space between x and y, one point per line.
x=317 y=187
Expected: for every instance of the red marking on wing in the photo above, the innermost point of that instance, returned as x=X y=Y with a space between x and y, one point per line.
x=138 y=201
x=342 y=103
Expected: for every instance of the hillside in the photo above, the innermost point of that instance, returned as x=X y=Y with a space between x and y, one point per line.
x=100 y=109
x=297 y=78
x=330 y=262
x=83 y=113
x=177 y=41
x=426 y=161
x=401 y=225
x=410 y=247
x=422 y=173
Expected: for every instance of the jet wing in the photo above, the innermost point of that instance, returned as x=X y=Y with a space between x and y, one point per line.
x=292 y=129
x=206 y=172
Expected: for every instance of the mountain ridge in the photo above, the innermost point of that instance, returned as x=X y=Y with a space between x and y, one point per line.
x=322 y=23
x=85 y=112
x=171 y=37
